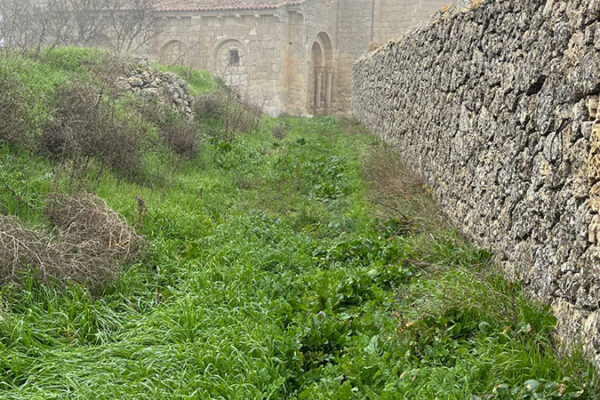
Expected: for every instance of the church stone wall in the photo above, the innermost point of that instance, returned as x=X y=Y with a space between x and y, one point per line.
x=319 y=17
x=374 y=22
x=295 y=68
x=355 y=32
x=207 y=40
x=276 y=69
x=497 y=106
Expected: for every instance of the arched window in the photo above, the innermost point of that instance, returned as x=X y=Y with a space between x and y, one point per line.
x=234 y=57
x=231 y=64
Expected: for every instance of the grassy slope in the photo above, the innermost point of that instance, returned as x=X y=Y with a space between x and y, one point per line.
x=270 y=276
x=200 y=81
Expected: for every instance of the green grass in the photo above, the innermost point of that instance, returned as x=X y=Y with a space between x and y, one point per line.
x=270 y=275
x=200 y=81
x=41 y=74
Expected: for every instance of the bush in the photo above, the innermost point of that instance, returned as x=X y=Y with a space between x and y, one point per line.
x=13 y=127
x=89 y=218
x=91 y=244
x=280 y=131
x=182 y=137
x=85 y=126
x=179 y=133
x=209 y=105
x=239 y=116
x=155 y=112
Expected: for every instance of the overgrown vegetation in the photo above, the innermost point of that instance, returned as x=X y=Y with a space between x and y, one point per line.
x=89 y=247
x=284 y=262
x=12 y=110
x=85 y=127
x=209 y=105
x=200 y=81
x=182 y=137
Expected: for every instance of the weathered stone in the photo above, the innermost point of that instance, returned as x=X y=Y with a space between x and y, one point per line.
x=293 y=56
x=135 y=81
x=594 y=157
x=150 y=92
x=507 y=133
x=153 y=84
x=147 y=77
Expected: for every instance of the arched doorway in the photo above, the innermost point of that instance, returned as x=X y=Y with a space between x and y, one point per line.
x=322 y=72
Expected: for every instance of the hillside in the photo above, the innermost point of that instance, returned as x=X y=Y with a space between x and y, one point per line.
x=247 y=258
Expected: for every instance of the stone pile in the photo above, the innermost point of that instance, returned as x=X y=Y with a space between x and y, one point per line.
x=496 y=104
x=152 y=83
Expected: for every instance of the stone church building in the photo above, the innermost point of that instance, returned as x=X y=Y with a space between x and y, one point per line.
x=289 y=56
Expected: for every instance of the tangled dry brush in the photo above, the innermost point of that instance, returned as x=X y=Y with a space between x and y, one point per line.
x=89 y=244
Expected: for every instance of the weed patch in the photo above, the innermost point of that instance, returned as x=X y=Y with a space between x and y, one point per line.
x=400 y=191
x=304 y=265
x=209 y=105
x=240 y=117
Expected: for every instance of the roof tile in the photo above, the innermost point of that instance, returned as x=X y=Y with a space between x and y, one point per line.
x=221 y=5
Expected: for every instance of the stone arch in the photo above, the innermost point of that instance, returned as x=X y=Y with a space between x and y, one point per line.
x=173 y=52
x=322 y=73
x=231 y=58
x=317 y=54
x=325 y=42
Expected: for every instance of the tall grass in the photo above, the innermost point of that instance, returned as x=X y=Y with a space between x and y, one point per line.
x=272 y=274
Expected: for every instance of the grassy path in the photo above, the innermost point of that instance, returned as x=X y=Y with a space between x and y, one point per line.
x=271 y=275
x=310 y=266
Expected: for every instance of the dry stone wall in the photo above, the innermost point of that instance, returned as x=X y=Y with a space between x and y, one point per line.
x=496 y=104
x=153 y=84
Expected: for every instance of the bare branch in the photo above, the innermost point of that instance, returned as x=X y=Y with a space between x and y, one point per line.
x=132 y=24
x=123 y=25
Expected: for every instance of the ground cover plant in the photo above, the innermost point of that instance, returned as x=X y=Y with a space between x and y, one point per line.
x=307 y=264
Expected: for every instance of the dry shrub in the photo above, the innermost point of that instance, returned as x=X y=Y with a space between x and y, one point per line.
x=240 y=116
x=85 y=126
x=91 y=244
x=23 y=249
x=401 y=192
x=182 y=137
x=178 y=132
x=279 y=131
x=109 y=68
x=209 y=105
x=156 y=112
x=88 y=217
x=73 y=131
x=13 y=127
